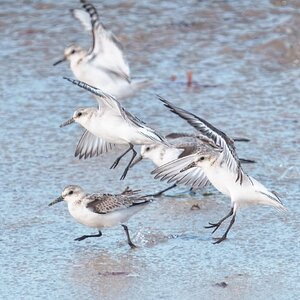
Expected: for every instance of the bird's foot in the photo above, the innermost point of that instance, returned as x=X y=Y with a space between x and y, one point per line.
x=116 y=162
x=132 y=245
x=213 y=225
x=124 y=174
x=219 y=240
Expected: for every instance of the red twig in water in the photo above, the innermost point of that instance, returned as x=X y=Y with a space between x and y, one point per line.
x=189 y=75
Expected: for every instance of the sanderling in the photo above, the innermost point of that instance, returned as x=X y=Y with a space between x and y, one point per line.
x=109 y=125
x=104 y=64
x=182 y=144
x=102 y=210
x=219 y=161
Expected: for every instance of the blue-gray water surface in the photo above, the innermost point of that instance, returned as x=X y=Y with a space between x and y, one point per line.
x=245 y=62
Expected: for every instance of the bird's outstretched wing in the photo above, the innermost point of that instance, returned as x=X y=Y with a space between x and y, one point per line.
x=174 y=171
x=104 y=100
x=217 y=136
x=106 y=51
x=90 y=145
x=83 y=17
x=110 y=102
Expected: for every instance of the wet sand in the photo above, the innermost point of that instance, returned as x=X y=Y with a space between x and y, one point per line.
x=245 y=63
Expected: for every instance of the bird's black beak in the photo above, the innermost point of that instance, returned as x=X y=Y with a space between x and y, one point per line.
x=59 y=61
x=70 y=121
x=191 y=165
x=137 y=160
x=59 y=199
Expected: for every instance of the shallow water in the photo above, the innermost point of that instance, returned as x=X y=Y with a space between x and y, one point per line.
x=245 y=63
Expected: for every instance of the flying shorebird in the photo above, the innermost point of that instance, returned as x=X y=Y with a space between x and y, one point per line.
x=109 y=125
x=182 y=144
x=219 y=161
x=104 y=65
x=102 y=210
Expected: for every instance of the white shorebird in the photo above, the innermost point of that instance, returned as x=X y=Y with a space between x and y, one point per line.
x=104 y=65
x=219 y=162
x=182 y=144
x=109 y=125
x=102 y=210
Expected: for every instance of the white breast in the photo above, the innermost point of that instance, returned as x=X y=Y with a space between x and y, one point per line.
x=221 y=179
x=114 y=129
x=86 y=217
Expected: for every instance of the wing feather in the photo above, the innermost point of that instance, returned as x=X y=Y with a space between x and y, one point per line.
x=83 y=17
x=111 y=103
x=217 y=136
x=107 y=203
x=172 y=172
x=90 y=146
x=106 y=50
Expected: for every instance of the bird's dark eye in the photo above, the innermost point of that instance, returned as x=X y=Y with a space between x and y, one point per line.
x=202 y=158
x=148 y=148
x=71 y=192
x=79 y=114
x=73 y=51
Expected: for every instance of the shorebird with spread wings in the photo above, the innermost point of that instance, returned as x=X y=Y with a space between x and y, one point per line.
x=104 y=65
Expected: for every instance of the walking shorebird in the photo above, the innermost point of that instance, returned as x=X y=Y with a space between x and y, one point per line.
x=102 y=210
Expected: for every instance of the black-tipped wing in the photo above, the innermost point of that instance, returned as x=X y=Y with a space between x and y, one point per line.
x=172 y=172
x=187 y=150
x=189 y=143
x=193 y=177
x=83 y=17
x=90 y=146
x=109 y=102
x=106 y=50
x=103 y=99
x=217 y=136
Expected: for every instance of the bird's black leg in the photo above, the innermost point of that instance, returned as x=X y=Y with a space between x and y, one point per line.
x=116 y=162
x=130 y=162
x=130 y=243
x=217 y=225
x=161 y=192
x=226 y=232
x=87 y=236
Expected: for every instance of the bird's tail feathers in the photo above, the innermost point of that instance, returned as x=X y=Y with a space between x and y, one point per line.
x=272 y=199
x=139 y=83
